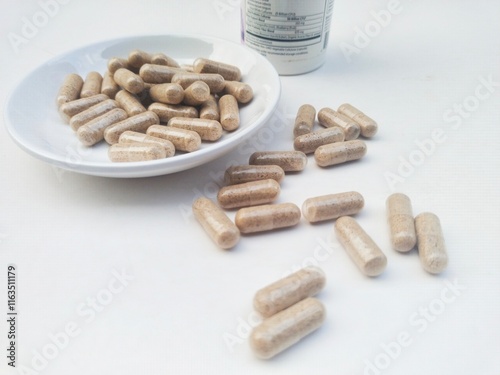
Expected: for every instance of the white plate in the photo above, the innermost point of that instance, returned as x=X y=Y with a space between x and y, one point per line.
x=34 y=123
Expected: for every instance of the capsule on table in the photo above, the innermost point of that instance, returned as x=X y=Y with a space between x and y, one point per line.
x=162 y=59
x=287 y=328
x=138 y=58
x=209 y=130
x=332 y=206
x=68 y=110
x=196 y=93
x=152 y=73
x=91 y=85
x=228 y=71
x=70 y=89
x=93 y=131
x=229 y=113
x=328 y=118
x=304 y=283
x=168 y=93
x=209 y=110
x=131 y=152
x=243 y=92
x=215 y=81
x=401 y=222
x=304 y=121
x=109 y=86
x=167 y=111
x=129 y=102
x=368 y=126
x=116 y=63
x=130 y=136
x=340 y=152
x=183 y=140
x=248 y=194
x=91 y=113
x=267 y=217
x=239 y=174
x=289 y=161
x=138 y=123
x=308 y=143
x=216 y=223
x=360 y=246
x=129 y=80
x=431 y=245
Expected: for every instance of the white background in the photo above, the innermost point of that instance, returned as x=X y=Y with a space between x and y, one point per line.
x=68 y=234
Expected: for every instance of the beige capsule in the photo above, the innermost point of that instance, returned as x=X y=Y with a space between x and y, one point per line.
x=196 y=93
x=209 y=110
x=215 y=81
x=138 y=58
x=239 y=174
x=91 y=113
x=93 y=131
x=138 y=123
x=431 y=245
x=131 y=152
x=332 y=206
x=209 y=130
x=228 y=71
x=167 y=111
x=109 y=86
x=229 y=113
x=248 y=194
x=136 y=137
x=286 y=328
x=91 y=85
x=129 y=80
x=68 y=110
x=368 y=126
x=168 y=93
x=340 y=152
x=401 y=222
x=129 y=102
x=187 y=67
x=304 y=283
x=216 y=223
x=183 y=139
x=289 y=161
x=328 y=118
x=153 y=73
x=243 y=92
x=70 y=89
x=360 y=246
x=116 y=63
x=304 y=121
x=267 y=217
x=308 y=143
x=162 y=59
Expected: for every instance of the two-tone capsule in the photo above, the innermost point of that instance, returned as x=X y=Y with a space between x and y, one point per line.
x=340 y=152
x=431 y=245
x=267 y=217
x=401 y=222
x=248 y=194
x=289 y=161
x=332 y=206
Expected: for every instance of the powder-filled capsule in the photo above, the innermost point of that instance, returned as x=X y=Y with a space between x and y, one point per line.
x=368 y=126
x=401 y=222
x=183 y=139
x=229 y=113
x=209 y=110
x=131 y=152
x=91 y=113
x=167 y=111
x=196 y=93
x=248 y=194
x=239 y=174
x=138 y=123
x=168 y=93
x=327 y=117
x=243 y=92
x=152 y=73
x=289 y=161
x=91 y=85
x=138 y=58
x=340 y=152
x=109 y=87
x=116 y=63
x=215 y=81
x=431 y=245
x=332 y=206
x=70 y=89
x=93 y=131
x=209 y=130
x=129 y=102
x=136 y=137
x=228 y=71
x=162 y=59
x=129 y=80
x=68 y=110
x=308 y=143
x=267 y=217
x=304 y=121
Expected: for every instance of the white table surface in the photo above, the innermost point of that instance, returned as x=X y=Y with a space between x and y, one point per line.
x=187 y=307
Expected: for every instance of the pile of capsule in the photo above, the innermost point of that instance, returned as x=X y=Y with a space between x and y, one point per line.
x=131 y=103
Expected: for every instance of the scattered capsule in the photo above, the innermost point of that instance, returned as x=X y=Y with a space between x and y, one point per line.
x=129 y=80
x=248 y=194
x=246 y=173
x=340 y=152
x=401 y=222
x=129 y=103
x=162 y=59
x=138 y=58
x=243 y=92
x=168 y=93
x=304 y=283
x=136 y=137
x=304 y=121
x=308 y=143
x=267 y=217
x=327 y=117
x=93 y=131
x=229 y=113
x=91 y=85
x=215 y=81
x=360 y=246
x=431 y=245
x=289 y=161
x=287 y=327
x=368 y=126
x=167 y=111
x=209 y=130
x=138 y=123
x=116 y=63
x=68 y=110
x=130 y=152
x=332 y=206
x=109 y=86
x=229 y=72
x=196 y=93
x=216 y=223
x=209 y=110
x=91 y=113
x=183 y=140
x=152 y=73
x=70 y=89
